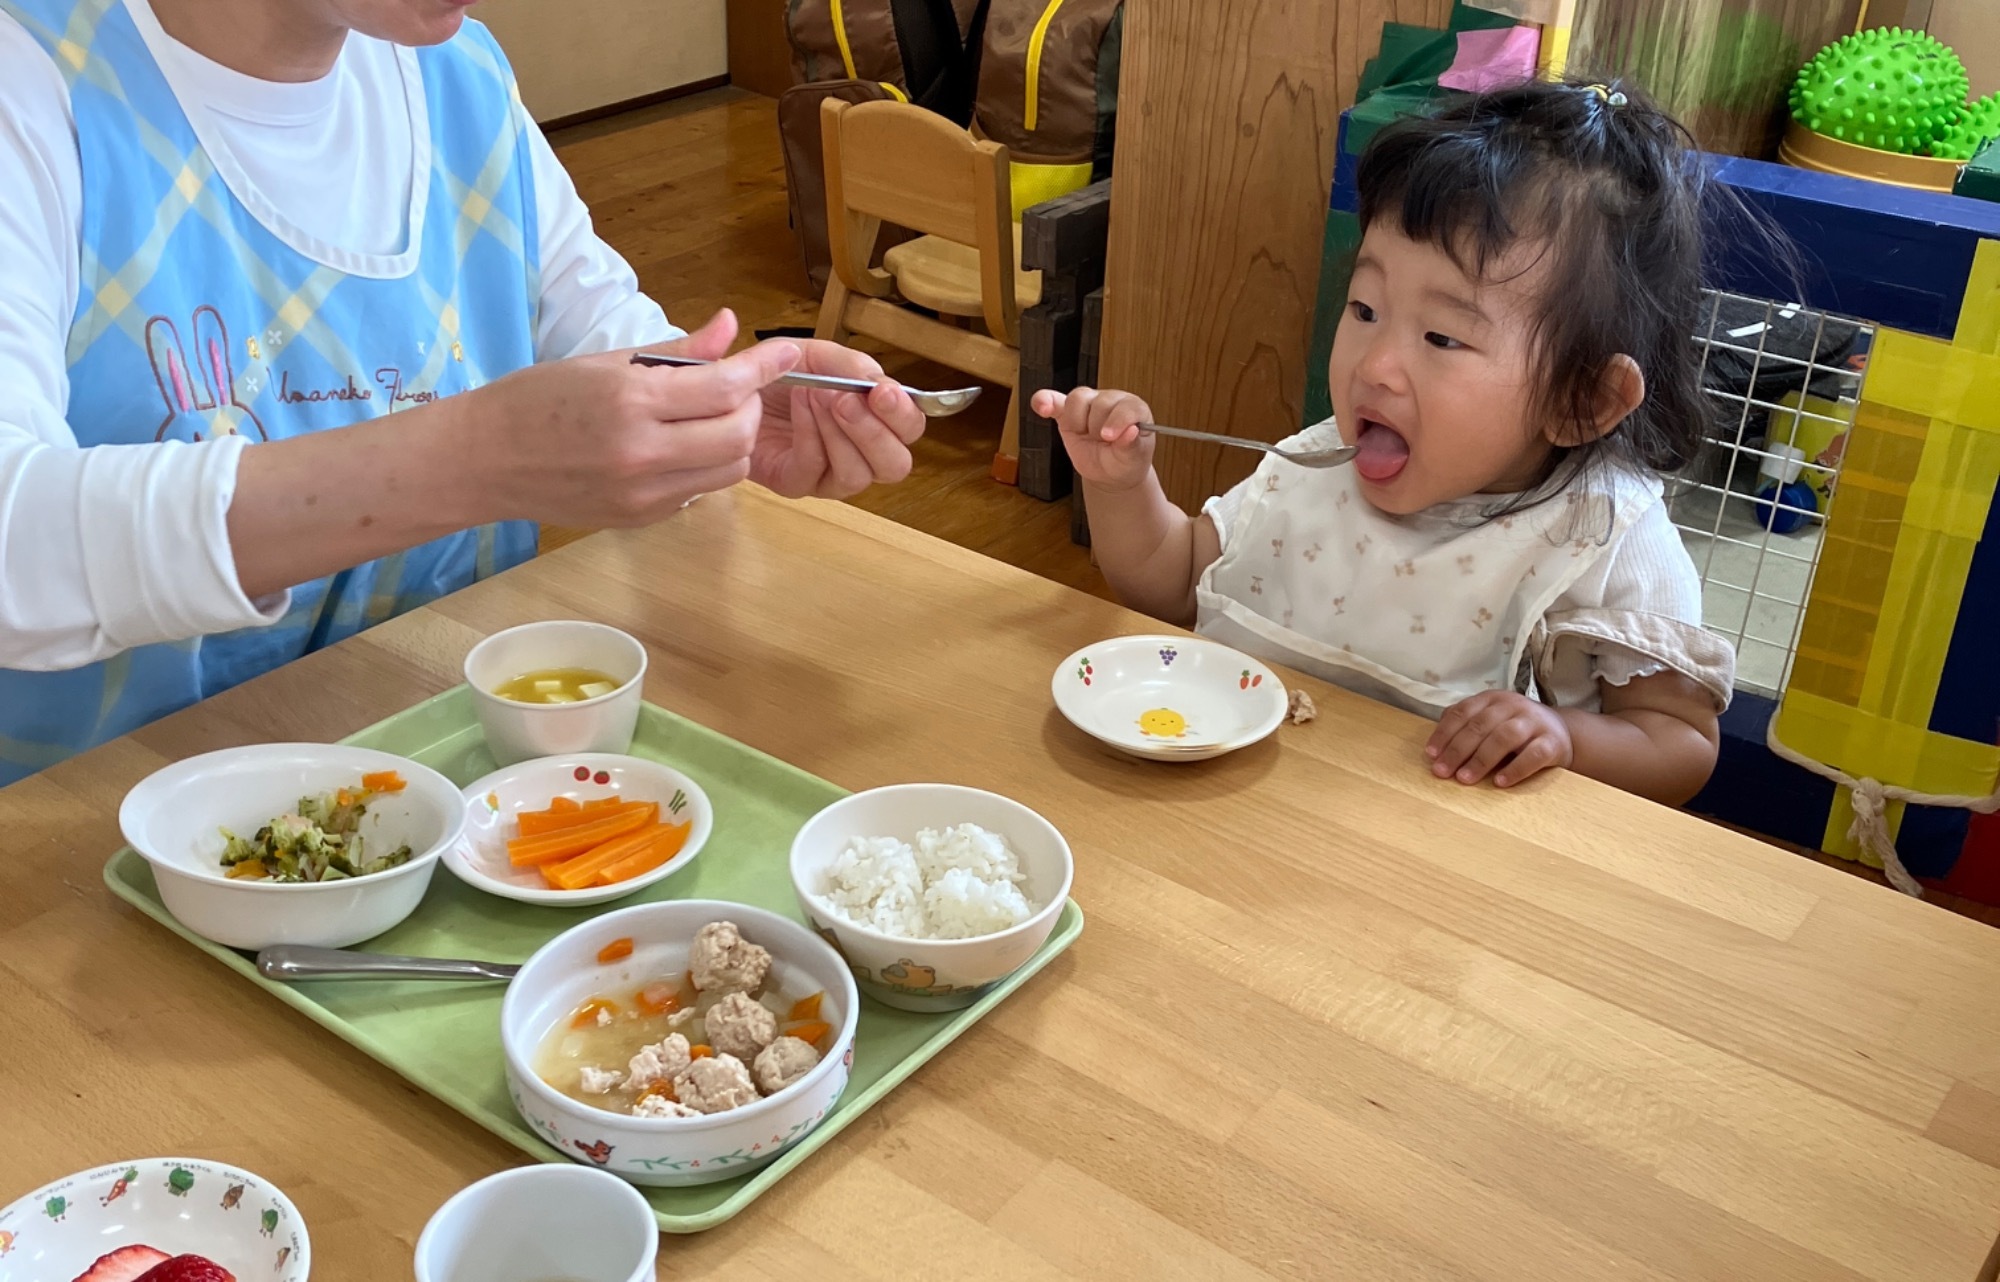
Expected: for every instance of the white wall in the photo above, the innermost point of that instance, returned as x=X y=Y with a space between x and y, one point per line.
x=576 y=55
x=1972 y=27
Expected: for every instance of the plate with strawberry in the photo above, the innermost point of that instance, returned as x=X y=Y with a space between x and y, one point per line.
x=155 y=1219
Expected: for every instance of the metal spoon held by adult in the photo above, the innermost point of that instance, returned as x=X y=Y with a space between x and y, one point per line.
x=932 y=404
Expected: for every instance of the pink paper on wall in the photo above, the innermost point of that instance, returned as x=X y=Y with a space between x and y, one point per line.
x=1489 y=60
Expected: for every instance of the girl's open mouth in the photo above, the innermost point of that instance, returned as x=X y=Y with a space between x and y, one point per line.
x=1383 y=452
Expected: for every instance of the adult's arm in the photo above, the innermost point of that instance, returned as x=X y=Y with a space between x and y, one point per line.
x=108 y=548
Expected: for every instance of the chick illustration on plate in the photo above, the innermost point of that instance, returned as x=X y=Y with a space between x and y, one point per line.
x=1163 y=723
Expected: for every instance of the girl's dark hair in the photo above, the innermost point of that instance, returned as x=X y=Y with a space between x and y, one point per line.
x=1612 y=186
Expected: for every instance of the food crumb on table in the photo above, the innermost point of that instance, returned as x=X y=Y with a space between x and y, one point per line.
x=1299 y=708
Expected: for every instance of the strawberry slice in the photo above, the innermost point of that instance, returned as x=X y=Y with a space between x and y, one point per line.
x=126 y=1264
x=187 y=1268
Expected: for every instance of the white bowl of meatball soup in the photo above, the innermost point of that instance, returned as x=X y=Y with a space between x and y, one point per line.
x=679 y=1042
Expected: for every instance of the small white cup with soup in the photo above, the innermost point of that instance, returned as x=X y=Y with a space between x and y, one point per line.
x=603 y=721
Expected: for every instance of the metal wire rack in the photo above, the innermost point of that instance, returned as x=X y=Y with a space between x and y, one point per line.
x=1783 y=381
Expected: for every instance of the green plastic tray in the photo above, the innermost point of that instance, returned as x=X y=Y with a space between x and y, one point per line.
x=445 y=1037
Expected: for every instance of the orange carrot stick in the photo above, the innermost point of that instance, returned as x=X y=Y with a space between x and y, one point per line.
x=666 y=844
x=563 y=806
x=567 y=843
x=539 y=823
x=580 y=870
x=604 y=802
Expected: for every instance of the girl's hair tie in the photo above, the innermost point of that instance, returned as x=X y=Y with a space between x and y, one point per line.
x=1612 y=97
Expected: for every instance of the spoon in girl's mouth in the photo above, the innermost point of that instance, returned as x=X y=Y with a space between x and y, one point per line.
x=1381 y=453
x=1334 y=457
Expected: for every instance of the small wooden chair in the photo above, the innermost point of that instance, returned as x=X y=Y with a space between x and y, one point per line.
x=890 y=161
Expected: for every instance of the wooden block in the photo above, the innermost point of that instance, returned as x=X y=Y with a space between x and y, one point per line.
x=1065 y=291
x=1046 y=473
x=1061 y=235
x=1092 y=341
x=1051 y=338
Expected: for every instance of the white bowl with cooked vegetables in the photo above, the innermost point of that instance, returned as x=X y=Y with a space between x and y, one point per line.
x=299 y=843
x=681 y=1041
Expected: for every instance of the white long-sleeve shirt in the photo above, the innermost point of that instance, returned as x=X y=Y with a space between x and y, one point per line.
x=102 y=550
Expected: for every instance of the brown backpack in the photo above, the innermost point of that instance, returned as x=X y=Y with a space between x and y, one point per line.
x=1048 y=91
x=921 y=51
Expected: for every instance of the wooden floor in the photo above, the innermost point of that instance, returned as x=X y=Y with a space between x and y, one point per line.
x=692 y=193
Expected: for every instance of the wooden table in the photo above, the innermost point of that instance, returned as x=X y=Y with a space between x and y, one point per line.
x=1329 y=1019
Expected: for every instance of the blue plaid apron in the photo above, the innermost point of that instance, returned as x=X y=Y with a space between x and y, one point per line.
x=195 y=321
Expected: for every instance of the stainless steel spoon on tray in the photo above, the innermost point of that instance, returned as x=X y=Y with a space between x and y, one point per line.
x=933 y=404
x=1334 y=457
x=289 y=962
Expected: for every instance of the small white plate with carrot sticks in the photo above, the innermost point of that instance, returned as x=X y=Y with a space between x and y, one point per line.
x=579 y=830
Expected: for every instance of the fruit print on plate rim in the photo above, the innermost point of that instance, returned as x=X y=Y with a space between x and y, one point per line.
x=1169 y=698
x=175 y=1205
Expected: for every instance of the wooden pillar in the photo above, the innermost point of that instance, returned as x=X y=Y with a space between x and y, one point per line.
x=1226 y=123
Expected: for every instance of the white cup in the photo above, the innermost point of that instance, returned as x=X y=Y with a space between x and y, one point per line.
x=520 y=731
x=555 y=1222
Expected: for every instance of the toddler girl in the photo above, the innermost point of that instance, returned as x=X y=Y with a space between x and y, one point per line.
x=1516 y=369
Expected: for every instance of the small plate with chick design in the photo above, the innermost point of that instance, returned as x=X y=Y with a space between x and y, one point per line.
x=1169 y=698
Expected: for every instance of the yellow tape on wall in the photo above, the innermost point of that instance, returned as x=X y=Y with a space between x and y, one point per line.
x=1916 y=490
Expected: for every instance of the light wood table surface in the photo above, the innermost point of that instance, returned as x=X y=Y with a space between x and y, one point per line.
x=1329 y=1018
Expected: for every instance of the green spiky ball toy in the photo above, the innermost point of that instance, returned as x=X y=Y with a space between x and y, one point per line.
x=1886 y=88
x=1976 y=124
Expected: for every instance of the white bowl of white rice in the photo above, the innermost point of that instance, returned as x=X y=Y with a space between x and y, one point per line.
x=933 y=893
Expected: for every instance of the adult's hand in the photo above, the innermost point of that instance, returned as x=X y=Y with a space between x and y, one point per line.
x=600 y=441
x=834 y=444
x=591 y=441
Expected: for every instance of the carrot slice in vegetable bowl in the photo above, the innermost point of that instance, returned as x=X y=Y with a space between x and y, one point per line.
x=658 y=999
x=382 y=781
x=812 y=1034
x=616 y=950
x=806 y=1008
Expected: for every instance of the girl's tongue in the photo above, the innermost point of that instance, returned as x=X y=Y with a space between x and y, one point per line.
x=1383 y=453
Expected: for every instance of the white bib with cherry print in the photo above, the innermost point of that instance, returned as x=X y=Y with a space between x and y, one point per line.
x=1422 y=611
